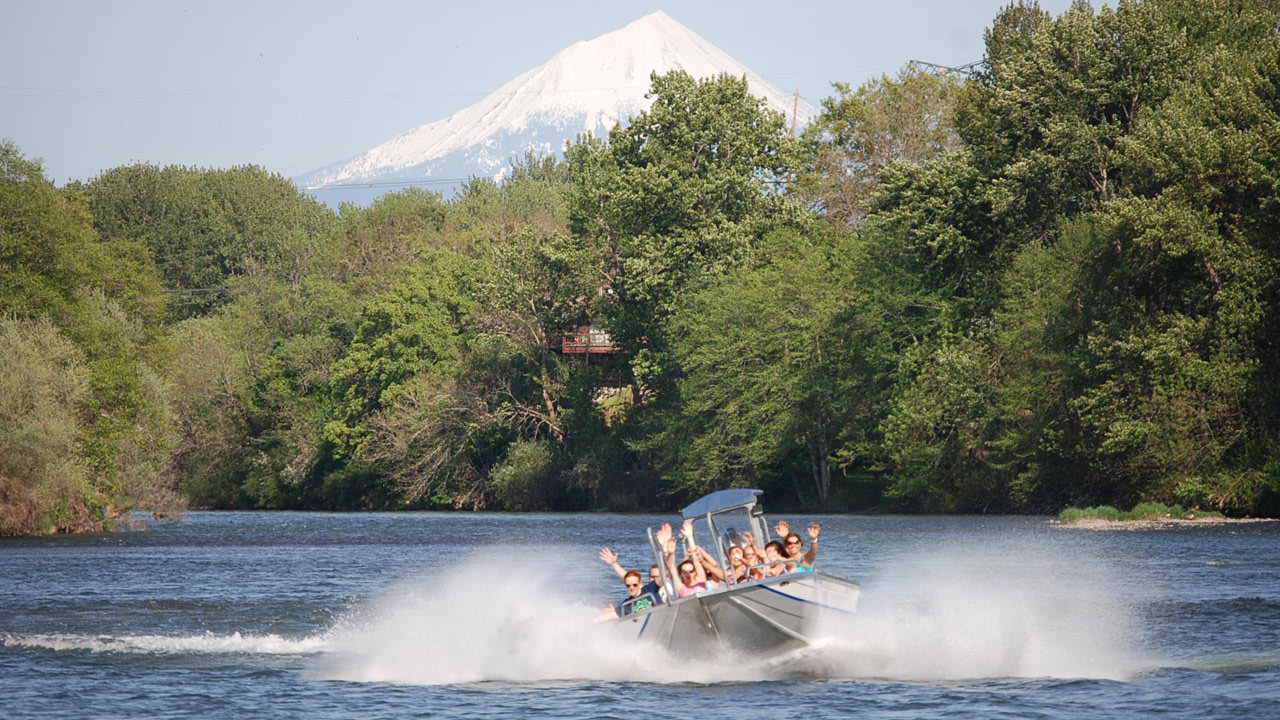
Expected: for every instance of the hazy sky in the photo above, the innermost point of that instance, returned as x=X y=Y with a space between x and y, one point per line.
x=88 y=85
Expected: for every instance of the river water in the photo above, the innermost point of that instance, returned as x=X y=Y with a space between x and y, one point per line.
x=270 y=615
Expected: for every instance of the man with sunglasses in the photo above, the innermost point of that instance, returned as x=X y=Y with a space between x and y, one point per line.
x=640 y=595
x=637 y=599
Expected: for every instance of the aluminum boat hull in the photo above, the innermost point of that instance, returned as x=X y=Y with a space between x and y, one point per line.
x=763 y=616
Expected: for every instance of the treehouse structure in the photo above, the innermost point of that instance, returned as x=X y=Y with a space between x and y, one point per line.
x=587 y=341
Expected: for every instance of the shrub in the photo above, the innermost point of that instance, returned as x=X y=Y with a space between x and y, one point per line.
x=524 y=480
x=44 y=482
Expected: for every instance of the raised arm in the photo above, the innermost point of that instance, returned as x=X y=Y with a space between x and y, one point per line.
x=709 y=564
x=668 y=545
x=669 y=557
x=757 y=554
x=812 y=553
x=610 y=558
x=783 y=529
x=700 y=573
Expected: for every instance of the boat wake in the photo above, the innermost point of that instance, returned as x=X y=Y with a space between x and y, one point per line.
x=937 y=617
x=208 y=643
x=970 y=616
x=933 y=619
x=489 y=620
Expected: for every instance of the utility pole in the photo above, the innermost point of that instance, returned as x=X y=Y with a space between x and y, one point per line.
x=795 y=110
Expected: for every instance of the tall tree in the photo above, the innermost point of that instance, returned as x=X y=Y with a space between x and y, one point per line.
x=902 y=119
x=206 y=229
x=104 y=298
x=681 y=194
x=1124 y=157
x=768 y=369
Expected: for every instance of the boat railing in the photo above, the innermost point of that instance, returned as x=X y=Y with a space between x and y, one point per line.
x=726 y=516
x=660 y=559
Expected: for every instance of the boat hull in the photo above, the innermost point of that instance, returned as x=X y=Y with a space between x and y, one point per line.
x=763 y=616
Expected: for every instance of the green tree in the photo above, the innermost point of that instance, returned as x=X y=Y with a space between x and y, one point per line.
x=534 y=193
x=536 y=290
x=105 y=299
x=45 y=483
x=414 y=327
x=763 y=353
x=902 y=119
x=207 y=229
x=437 y=440
x=936 y=430
x=254 y=379
x=1123 y=308
x=1056 y=98
x=37 y=224
x=681 y=194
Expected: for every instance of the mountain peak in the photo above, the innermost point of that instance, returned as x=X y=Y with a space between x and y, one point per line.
x=588 y=87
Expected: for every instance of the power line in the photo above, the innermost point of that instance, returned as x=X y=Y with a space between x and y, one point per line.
x=388 y=183
x=117 y=94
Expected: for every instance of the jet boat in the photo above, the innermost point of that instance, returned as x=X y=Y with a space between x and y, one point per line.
x=773 y=614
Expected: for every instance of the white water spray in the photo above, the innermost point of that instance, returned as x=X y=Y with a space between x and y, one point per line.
x=959 y=616
x=944 y=615
x=492 y=619
x=963 y=615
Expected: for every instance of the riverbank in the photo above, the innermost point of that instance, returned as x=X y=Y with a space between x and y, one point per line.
x=1168 y=523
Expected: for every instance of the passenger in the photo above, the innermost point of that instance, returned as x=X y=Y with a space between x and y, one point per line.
x=753 y=554
x=690 y=578
x=653 y=587
x=740 y=572
x=776 y=559
x=798 y=560
x=655 y=579
x=636 y=601
x=709 y=565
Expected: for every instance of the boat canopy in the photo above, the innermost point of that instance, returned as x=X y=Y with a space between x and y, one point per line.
x=721 y=500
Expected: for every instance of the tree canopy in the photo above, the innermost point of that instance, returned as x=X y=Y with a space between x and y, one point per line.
x=1051 y=281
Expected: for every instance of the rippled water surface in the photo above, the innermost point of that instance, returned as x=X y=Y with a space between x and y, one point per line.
x=243 y=615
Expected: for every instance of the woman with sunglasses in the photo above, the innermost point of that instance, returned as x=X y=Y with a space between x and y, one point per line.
x=798 y=559
x=690 y=577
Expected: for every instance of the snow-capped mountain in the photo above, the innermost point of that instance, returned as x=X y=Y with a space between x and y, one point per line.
x=587 y=87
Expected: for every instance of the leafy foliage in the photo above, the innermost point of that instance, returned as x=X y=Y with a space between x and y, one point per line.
x=1116 y=290
x=206 y=229
x=763 y=354
x=82 y=317
x=679 y=195
x=1054 y=283
x=905 y=119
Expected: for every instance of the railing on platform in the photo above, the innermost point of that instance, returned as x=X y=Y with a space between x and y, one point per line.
x=588 y=340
